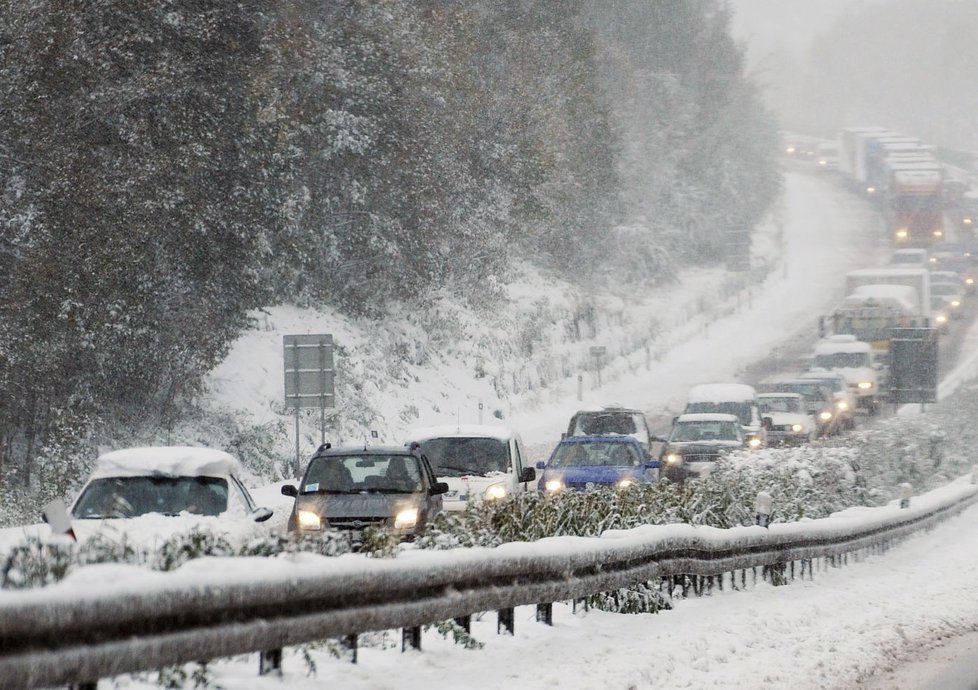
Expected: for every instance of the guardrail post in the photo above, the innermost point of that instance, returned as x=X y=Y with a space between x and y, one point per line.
x=351 y=643
x=762 y=508
x=91 y=685
x=505 y=621
x=584 y=604
x=269 y=662
x=464 y=622
x=545 y=614
x=411 y=637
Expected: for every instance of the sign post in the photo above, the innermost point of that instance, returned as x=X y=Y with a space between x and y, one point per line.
x=309 y=378
x=913 y=365
x=598 y=352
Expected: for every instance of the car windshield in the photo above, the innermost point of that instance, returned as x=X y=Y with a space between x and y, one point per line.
x=704 y=431
x=365 y=473
x=786 y=404
x=841 y=360
x=456 y=457
x=126 y=497
x=596 y=454
x=742 y=410
x=603 y=423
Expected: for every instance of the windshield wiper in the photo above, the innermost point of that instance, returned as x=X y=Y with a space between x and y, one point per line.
x=455 y=468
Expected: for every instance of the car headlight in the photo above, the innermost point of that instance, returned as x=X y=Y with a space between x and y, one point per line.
x=842 y=405
x=495 y=492
x=624 y=483
x=309 y=520
x=674 y=458
x=955 y=303
x=797 y=427
x=870 y=190
x=406 y=519
x=941 y=318
x=901 y=234
x=754 y=442
x=825 y=416
x=938 y=233
x=553 y=485
x=969 y=281
x=865 y=385
x=966 y=221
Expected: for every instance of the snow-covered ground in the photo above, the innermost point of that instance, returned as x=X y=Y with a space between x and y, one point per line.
x=709 y=331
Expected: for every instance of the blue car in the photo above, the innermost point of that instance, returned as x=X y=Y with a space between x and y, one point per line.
x=584 y=462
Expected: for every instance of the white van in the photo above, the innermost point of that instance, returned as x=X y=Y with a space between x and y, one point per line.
x=478 y=462
x=737 y=399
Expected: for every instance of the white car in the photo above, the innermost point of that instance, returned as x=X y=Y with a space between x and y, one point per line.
x=791 y=424
x=478 y=462
x=147 y=495
x=854 y=360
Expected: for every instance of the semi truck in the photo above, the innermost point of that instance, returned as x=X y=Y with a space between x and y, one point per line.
x=914 y=206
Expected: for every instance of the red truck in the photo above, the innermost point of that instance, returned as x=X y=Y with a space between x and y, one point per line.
x=915 y=205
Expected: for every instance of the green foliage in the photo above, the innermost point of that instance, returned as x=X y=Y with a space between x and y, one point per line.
x=459 y=635
x=188 y=676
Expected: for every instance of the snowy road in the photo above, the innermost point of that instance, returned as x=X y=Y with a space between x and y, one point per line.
x=827 y=232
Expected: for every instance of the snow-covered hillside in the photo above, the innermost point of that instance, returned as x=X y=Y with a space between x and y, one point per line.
x=522 y=363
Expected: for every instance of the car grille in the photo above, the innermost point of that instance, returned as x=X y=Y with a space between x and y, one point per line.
x=781 y=427
x=355 y=523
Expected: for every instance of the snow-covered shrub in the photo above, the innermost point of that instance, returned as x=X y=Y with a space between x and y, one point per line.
x=644 y=597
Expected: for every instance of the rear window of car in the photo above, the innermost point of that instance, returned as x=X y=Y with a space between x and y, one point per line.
x=603 y=423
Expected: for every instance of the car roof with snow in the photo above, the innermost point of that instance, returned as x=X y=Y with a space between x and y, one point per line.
x=496 y=431
x=829 y=347
x=721 y=392
x=706 y=417
x=169 y=461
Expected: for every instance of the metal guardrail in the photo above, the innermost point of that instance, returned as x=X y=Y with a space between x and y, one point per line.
x=49 y=637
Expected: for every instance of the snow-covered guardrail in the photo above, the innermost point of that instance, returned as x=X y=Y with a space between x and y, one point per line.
x=109 y=619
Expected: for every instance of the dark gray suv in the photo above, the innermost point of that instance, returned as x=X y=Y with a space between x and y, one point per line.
x=348 y=489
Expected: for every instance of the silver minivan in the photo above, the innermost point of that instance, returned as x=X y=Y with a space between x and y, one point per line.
x=478 y=462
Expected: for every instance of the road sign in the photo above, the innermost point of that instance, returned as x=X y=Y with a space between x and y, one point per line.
x=913 y=365
x=308 y=370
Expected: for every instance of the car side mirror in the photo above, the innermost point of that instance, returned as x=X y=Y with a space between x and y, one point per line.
x=528 y=474
x=766 y=422
x=439 y=488
x=262 y=514
x=541 y=465
x=563 y=435
x=289 y=490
